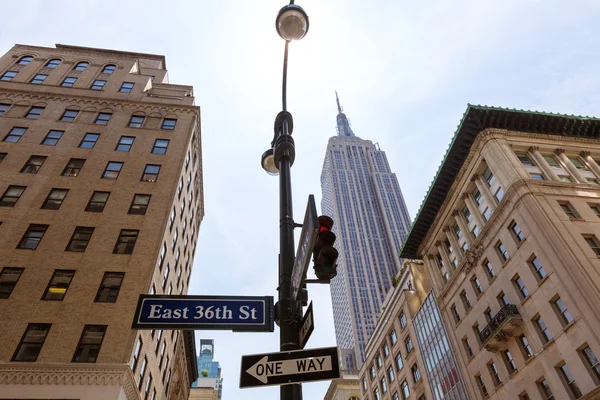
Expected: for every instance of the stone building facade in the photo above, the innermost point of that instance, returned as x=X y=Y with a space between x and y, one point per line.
x=100 y=201
x=509 y=233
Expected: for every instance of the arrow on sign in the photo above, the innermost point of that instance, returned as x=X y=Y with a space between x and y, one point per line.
x=264 y=368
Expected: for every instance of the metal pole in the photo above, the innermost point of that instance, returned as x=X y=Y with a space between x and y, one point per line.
x=288 y=332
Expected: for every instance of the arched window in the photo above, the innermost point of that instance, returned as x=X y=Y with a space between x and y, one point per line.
x=109 y=69
x=81 y=66
x=53 y=63
x=25 y=60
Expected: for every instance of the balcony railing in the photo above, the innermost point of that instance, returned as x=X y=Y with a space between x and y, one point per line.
x=507 y=323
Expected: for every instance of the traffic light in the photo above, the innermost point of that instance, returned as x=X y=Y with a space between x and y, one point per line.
x=324 y=254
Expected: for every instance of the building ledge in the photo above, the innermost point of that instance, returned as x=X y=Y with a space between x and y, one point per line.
x=505 y=324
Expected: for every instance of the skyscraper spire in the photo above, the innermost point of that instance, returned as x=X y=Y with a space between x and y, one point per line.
x=343 y=125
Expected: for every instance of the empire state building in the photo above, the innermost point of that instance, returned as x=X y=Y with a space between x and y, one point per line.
x=362 y=195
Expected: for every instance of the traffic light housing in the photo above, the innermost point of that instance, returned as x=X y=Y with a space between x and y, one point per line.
x=324 y=254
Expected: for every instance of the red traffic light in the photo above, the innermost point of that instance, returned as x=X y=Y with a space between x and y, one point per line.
x=325 y=223
x=324 y=254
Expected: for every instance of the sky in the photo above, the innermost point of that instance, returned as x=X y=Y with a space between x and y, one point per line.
x=405 y=72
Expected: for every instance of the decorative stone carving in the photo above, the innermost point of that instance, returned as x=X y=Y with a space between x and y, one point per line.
x=472 y=256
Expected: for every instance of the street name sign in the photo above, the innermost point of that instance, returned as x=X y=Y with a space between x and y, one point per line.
x=236 y=313
x=307 y=326
x=308 y=237
x=287 y=367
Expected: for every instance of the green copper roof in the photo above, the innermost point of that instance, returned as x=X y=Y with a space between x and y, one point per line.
x=475 y=120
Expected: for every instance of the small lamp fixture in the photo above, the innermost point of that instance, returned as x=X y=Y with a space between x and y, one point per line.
x=291 y=22
x=268 y=163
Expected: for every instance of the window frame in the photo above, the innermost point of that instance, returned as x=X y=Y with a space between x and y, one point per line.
x=166 y=124
x=69 y=81
x=34 y=112
x=60 y=285
x=55 y=202
x=9 y=76
x=126 y=147
x=85 y=140
x=126 y=233
x=80 y=239
x=146 y=176
x=135 y=208
x=103 y=114
x=98 y=84
x=38 y=79
x=79 y=347
x=39 y=344
x=125 y=88
x=108 y=173
x=51 y=138
x=8 y=284
x=73 y=167
x=106 y=293
x=70 y=117
x=15 y=132
x=136 y=124
x=6 y=195
x=89 y=204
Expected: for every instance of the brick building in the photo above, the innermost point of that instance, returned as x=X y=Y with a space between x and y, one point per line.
x=100 y=200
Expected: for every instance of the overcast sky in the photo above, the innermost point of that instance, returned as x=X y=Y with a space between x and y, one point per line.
x=404 y=70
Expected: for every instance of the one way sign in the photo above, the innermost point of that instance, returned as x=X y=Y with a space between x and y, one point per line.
x=289 y=367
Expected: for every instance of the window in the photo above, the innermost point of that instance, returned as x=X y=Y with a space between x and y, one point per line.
x=415 y=373
x=8 y=76
x=25 y=60
x=465 y=300
x=161 y=256
x=109 y=69
x=383 y=385
x=32 y=237
x=467 y=214
x=69 y=115
x=538 y=269
x=38 y=79
x=33 y=165
x=489 y=176
x=537 y=177
x=160 y=146
x=180 y=187
x=517 y=232
x=478 y=197
x=9 y=277
x=592 y=241
x=552 y=162
x=73 y=167
x=494 y=373
x=509 y=361
x=467 y=346
x=69 y=81
x=11 y=195
x=399 y=363
x=376 y=394
x=409 y=345
x=35 y=112
x=591 y=361
x=405 y=390
x=3 y=156
x=476 y=285
x=139 y=205
x=386 y=349
x=15 y=135
x=126 y=87
x=570 y=381
x=502 y=251
x=544 y=388
x=125 y=143
x=172 y=218
x=475 y=231
x=53 y=63
x=481 y=385
x=390 y=373
x=168 y=124
x=520 y=286
x=166 y=276
x=89 y=343
x=148 y=385
x=561 y=309
x=402 y=320
x=545 y=334
x=150 y=173
x=455 y=312
x=569 y=210
x=102 y=118
x=487 y=213
x=162 y=354
x=136 y=354
x=4 y=108
x=109 y=287
x=80 y=239
x=489 y=315
x=55 y=199
x=393 y=337
x=477 y=332
x=502 y=299
x=379 y=361
x=52 y=137
x=525 y=161
x=98 y=84
x=81 y=66
x=595 y=207
x=525 y=347
x=31 y=343
x=136 y=121
x=58 y=285
x=112 y=170
x=373 y=373
x=89 y=141
x=126 y=241
x=97 y=202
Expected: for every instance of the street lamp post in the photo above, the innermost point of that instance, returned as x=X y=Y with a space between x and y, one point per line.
x=291 y=24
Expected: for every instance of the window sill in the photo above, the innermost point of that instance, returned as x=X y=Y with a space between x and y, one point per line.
x=544 y=279
x=528 y=360
x=525 y=299
x=569 y=325
x=548 y=343
x=520 y=243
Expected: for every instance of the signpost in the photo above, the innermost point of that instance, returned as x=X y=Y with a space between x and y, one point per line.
x=236 y=313
x=306 y=326
x=289 y=367
x=308 y=237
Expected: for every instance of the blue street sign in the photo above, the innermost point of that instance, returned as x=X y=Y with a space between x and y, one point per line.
x=236 y=313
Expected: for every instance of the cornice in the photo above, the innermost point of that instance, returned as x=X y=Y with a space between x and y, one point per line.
x=48 y=374
x=95 y=101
